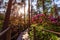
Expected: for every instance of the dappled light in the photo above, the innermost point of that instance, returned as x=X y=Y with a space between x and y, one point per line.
x=29 y=19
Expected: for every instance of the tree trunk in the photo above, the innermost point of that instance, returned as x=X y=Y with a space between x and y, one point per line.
x=29 y=12
x=55 y=10
x=6 y=20
x=7 y=15
x=43 y=6
x=24 y=13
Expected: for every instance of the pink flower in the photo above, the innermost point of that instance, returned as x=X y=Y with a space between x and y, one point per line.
x=32 y=20
x=35 y=17
x=41 y=20
x=54 y=21
x=39 y=15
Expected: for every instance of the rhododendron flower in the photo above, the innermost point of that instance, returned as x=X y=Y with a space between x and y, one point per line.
x=54 y=22
x=39 y=15
x=43 y=14
x=50 y=17
x=39 y=18
x=35 y=17
x=32 y=20
x=41 y=21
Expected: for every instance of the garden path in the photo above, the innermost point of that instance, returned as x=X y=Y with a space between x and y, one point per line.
x=24 y=35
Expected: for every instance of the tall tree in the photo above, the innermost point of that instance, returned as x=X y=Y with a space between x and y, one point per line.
x=43 y=1
x=7 y=15
x=55 y=9
x=24 y=11
x=6 y=21
x=29 y=16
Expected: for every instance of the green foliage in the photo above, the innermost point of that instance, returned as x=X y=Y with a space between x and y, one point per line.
x=1 y=21
x=54 y=37
x=47 y=5
x=42 y=35
x=49 y=1
x=39 y=3
x=49 y=23
x=31 y=33
x=1 y=17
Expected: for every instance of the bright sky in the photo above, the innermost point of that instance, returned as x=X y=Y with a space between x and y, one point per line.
x=21 y=10
x=56 y=2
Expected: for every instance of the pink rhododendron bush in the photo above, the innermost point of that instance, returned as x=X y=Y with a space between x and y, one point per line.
x=48 y=22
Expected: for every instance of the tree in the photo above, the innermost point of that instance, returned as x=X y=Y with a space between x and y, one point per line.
x=7 y=15
x=29 y=17
x=44 y=4
x=40 y=3
x=55 y=9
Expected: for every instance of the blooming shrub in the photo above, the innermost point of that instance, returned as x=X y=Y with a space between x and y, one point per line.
x=45 y=20
x=39 y=18
x=49 y=22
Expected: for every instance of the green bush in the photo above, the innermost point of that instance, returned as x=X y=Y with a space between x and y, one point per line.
x=42 y=35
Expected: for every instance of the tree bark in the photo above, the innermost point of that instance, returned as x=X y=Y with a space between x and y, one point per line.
x=24 y=16
x=29 y=12
x=55 y=10
x=43 y=6
x=6 y=20
x=7 y=15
